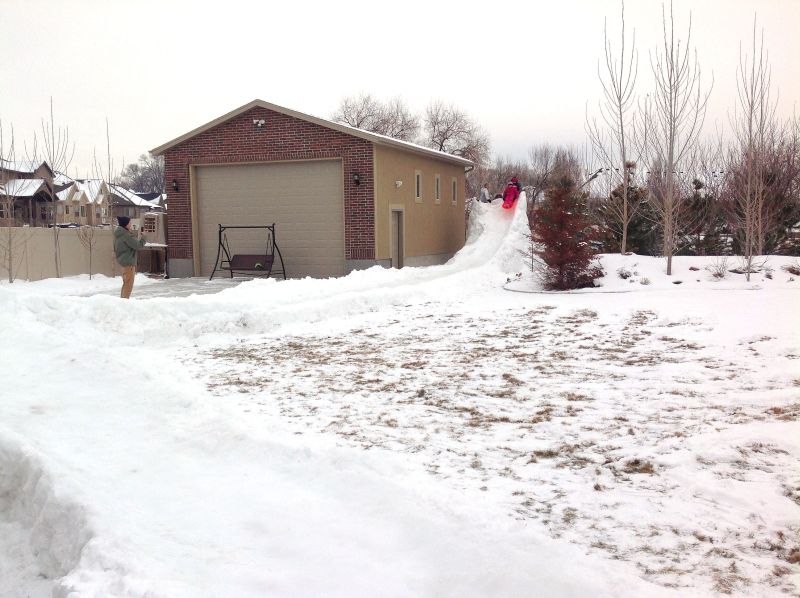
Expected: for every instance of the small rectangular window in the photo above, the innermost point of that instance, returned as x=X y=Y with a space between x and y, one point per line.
x=455 y=191
x=83 y=211
x=66 y=210
x=418 y=186
x=438 y=194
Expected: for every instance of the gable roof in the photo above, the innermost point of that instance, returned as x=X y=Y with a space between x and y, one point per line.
x=68 y=192
x=24 y=166
x=93 y=189
x=373 y=137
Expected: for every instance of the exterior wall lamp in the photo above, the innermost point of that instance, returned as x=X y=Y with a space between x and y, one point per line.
x=356 y=178
x=175 y=186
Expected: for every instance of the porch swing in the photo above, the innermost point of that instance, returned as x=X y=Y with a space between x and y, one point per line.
x=252 y=264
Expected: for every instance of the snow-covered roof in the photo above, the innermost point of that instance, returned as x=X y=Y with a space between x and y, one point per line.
x=67 y=193
x=131 y=197
x=93 y=188
x=26 y=166
x=22 y=187
x=369 y=136
x=60 y=178
x=154 y=197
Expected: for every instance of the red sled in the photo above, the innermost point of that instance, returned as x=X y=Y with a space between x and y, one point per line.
x=507 y=205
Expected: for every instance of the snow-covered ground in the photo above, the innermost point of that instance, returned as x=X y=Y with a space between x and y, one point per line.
x=441 y=431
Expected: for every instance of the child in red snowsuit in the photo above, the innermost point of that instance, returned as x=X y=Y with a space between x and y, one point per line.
x=511 y=194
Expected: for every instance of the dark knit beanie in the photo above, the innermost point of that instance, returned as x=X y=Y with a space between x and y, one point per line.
x=123 y=221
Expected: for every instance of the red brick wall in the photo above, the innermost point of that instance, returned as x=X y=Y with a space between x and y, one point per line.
x=280 y=138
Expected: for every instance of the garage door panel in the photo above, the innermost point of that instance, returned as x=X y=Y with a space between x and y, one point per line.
x=303 y=199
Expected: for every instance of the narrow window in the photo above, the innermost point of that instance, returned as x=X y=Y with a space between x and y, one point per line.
x=66 y=210
x=455 y=191
x=418 y=186
x=438 y=195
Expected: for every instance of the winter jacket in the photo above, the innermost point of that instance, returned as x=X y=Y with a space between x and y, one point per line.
x=126 y=246
x=511 y=193
x=485 y=197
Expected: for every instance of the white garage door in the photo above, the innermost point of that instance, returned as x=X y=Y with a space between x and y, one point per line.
x=303 y=199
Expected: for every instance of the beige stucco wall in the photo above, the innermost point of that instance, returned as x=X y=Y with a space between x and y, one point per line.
x=430 y=229
x=33 y=251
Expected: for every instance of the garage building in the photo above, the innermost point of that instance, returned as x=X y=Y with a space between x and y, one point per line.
x=341 y=198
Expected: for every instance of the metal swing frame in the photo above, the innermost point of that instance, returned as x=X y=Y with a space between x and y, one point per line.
x=260 y=265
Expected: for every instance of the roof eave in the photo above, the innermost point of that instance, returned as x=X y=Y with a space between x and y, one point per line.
x=374 y=138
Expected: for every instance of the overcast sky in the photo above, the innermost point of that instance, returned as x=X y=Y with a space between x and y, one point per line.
x=525 y=70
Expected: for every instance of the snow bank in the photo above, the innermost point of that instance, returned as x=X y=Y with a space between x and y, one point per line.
x=57 y=529
x=72 y=285
x=260 y=306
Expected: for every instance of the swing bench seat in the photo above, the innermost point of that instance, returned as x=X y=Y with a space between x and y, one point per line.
x=254 y=264
x=250 y=263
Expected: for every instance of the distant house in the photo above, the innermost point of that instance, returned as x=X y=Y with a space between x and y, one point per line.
x=83 y=202
x=31 y=194
x=129 y=203
x=26 y=193
x=341 y=198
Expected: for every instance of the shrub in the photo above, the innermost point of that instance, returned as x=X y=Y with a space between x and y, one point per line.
x=793 y=268
x=563 y=229
x=624 y=273
x=644 y=280
x=719 y=269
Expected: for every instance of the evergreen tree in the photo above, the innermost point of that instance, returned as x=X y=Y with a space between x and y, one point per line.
x=642 y=238
x=564 y=233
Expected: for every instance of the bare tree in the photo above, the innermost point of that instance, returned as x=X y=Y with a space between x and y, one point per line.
x=755 y=131
x=88 y=238
x=397 y=120
x=107 y=174
x=448 y=129
x=549 y=164
x=361 y=112
x=611 y=138
x=392 y=118
x=58 y=152
x=146 y=176
x=13 y=239
x=703 y=232
x=673 y=117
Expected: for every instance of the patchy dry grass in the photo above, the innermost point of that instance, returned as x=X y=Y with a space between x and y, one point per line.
x=566 y=420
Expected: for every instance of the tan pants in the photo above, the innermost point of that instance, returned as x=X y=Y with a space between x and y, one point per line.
x=128 y=272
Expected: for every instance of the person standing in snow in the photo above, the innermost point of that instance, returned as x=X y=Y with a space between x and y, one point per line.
x=485 y=197
x=126 y=247
x=511 y=194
